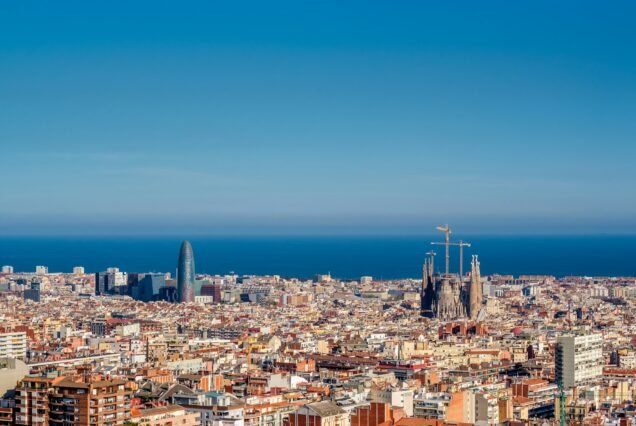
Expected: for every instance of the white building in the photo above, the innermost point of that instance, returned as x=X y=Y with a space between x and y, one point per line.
x=13 y=345
x=214 y=408
x=125 y=330
x=599 y=291
x=7 y=269
x=111 y=281
x=402 y=398
x=203 y=300
x=627 y=360
x=41 y=270
x=185 y=366
x=78 y=270
x=579 y=359
x=431 y=405
x=117 y=278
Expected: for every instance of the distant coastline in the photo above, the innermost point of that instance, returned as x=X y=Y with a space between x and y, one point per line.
x=346 y=257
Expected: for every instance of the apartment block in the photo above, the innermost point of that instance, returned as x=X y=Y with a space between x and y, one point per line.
x=13 y=345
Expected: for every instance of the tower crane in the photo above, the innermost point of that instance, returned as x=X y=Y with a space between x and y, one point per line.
x=461 y=244
x=447 y=231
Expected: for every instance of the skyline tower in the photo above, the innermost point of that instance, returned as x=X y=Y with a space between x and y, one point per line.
x=185 y=273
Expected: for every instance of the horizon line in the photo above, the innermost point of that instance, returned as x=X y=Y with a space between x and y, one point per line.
x=186 y=235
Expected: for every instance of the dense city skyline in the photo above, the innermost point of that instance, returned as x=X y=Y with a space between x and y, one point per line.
x=209 y=118
x=402 y=213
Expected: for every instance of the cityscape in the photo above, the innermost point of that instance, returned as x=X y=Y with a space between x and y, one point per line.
x=328 y=213
x=451 y=347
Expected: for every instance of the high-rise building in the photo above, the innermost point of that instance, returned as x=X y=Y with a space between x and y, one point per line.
x=146 y=286
x=101 y=283
x=112 y=281
x=78 y=270
x=213 y=290
x=41 y=270
x=7 y=269
x=33 y=293
x=185 y=273
x=578 y=359
x=169 y=293
x=13 y=345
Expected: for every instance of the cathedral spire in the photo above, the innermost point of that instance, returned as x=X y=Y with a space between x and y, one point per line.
x=424 y=275
x=475 y=293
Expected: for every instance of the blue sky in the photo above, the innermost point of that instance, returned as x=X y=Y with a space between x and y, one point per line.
x=325 y=117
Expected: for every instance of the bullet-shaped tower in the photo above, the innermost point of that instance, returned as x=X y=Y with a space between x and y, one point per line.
x=185 y=273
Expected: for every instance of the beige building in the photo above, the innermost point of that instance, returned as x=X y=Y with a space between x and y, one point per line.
x=323 y=413
x=165 y=416
x=12 y=370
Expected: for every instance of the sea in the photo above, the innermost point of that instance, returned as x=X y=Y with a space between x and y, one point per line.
x=345 y=257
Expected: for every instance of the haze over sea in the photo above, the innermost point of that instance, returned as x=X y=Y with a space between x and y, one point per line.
x=344 y=257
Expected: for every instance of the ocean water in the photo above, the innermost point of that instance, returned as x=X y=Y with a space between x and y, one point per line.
x=344 y=257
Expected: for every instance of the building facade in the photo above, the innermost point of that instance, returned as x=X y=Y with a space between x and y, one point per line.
x=112 y=281
x=71 y=401
x=578 y=359
x=13 y=345
x=185 y=273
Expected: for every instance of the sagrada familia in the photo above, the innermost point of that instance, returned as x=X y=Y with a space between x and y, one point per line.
x=448 y=296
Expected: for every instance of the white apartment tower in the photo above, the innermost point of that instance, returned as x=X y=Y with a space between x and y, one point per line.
x=578 y=359
x=13 y=345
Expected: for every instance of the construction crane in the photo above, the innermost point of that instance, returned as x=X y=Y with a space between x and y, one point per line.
x=461 y=244
x=561 y=405
x=447 y=231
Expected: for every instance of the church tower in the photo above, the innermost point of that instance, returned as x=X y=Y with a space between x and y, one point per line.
x=475 y=292
x=428 y=286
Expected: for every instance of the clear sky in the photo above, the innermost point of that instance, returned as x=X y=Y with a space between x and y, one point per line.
x=328 y=117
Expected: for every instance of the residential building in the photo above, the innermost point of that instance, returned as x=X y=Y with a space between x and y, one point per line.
x=13 y=345
x=578 y=359
x=169 y=415
x=323 y=413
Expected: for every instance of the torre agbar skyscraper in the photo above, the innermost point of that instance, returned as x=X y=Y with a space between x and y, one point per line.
x=185 y=273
